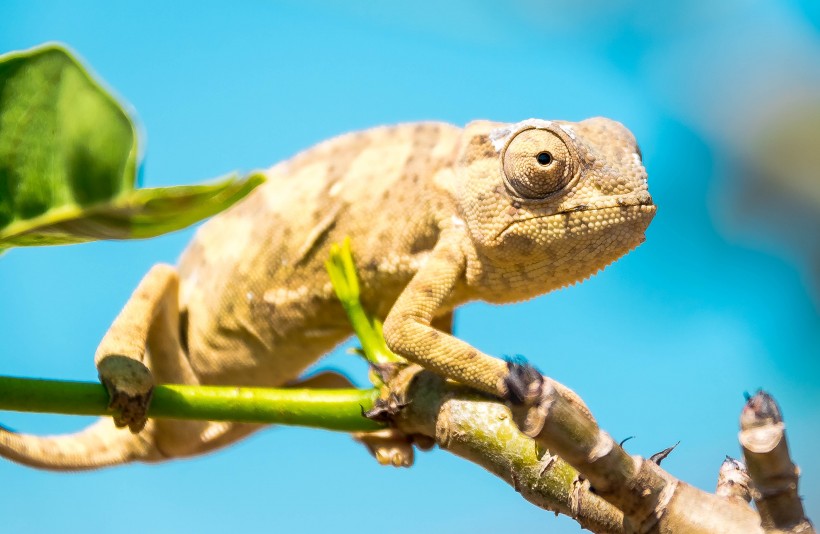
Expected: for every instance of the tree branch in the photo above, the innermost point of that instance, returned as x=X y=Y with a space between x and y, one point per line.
x=481 y=430
x=614 y=493
x=651 y=499
x=775 y=477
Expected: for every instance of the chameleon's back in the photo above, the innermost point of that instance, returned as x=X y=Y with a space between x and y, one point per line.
x=257 y=305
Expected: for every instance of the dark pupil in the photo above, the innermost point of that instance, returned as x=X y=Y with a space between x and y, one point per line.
x=544 y=158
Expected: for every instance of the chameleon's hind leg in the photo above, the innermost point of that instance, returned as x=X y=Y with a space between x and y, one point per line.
x=141 y=344
x=389 y=446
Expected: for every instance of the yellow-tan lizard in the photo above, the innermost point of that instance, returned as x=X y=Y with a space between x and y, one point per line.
x=437 y=216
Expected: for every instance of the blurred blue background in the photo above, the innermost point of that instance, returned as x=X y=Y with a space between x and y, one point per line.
x=723 y=297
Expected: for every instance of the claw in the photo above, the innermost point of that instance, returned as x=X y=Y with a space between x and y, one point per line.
x=383 y=411
x=523 y=382
x=523 y=390
x=130 y=387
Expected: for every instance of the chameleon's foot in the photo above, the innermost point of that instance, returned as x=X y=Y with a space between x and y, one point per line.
x=528 y=394
x=130 y=386
x=522 y=389
x=522 y=384
x=389 y=446
x=383 y=411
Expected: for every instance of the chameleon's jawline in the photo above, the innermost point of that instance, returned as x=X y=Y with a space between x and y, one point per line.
x=646 y=208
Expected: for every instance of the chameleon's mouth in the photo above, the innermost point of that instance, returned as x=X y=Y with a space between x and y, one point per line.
x=640 y=198
x=640 y=207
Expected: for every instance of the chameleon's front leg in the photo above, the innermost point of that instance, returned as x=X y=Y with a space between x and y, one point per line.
x=408 y=330
x=149 y=320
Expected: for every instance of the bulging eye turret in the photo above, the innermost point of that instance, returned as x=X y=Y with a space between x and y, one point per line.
x=537 y=163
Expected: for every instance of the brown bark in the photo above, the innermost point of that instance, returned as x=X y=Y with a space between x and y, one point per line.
x=615 y=492
x=774 y=476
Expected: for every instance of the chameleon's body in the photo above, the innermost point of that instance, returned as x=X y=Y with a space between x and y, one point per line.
x=437 y=216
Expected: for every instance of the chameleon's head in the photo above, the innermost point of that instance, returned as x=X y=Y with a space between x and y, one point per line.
x=549 y=203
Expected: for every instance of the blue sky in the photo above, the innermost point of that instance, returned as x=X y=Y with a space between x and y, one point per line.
x=661 y=345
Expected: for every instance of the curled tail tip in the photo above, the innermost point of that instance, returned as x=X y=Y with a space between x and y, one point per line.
x=97 y=446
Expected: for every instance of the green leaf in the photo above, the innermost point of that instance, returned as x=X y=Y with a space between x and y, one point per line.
x=69 y=158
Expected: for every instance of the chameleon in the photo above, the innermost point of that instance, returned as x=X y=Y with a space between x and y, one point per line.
x=437 y=216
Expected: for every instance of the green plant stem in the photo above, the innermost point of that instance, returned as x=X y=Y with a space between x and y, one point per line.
x=331 y=409
x=342 y=271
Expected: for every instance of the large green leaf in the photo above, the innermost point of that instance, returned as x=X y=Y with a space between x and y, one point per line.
x=69 y=157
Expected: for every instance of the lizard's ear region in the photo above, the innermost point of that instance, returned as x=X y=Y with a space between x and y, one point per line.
x=536 y=164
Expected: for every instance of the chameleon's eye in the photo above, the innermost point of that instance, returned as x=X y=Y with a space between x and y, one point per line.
x=537 y=163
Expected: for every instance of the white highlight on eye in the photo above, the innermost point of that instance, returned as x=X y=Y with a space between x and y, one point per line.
x=500 y=136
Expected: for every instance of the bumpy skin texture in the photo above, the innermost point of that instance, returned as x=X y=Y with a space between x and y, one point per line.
x=437 y=216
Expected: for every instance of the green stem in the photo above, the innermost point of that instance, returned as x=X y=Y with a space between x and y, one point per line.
x=331 y=409
x=342 y=271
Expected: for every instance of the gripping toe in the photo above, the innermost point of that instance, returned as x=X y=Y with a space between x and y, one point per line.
x=389 y=446
x=522 y=384
x=130 y=386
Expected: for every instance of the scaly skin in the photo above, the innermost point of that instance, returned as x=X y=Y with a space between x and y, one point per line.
x=437 y=216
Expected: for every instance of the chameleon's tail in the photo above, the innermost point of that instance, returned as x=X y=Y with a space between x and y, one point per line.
x=100 y=445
